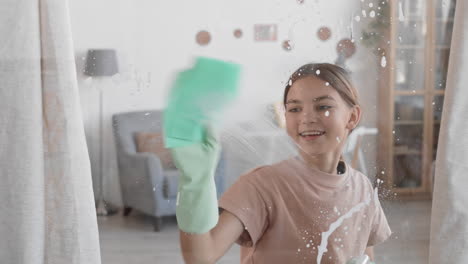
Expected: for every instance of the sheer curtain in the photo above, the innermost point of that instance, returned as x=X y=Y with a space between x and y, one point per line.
x=449 y=223
x=46 y=198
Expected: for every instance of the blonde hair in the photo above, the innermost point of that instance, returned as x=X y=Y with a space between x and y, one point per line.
x=337 y=77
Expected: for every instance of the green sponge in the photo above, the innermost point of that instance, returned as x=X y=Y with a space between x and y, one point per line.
x=197 y=98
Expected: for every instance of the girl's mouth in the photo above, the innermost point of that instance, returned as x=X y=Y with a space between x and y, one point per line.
x=311 y=135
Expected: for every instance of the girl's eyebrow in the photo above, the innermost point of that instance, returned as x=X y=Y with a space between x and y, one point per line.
x=320 y=98
x=324 y=97
x=293 y=101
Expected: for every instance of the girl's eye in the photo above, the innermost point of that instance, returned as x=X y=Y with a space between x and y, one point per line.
x=293 y=110
x=324 y=107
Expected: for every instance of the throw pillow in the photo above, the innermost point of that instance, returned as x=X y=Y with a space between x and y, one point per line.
x=153 y=142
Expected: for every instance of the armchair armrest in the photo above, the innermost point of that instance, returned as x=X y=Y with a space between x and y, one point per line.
x=140 y=170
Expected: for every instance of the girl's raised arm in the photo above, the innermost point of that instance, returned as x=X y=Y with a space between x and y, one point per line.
x=207 y=248
x=204 y=235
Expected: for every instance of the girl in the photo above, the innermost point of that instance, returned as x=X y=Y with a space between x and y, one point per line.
x=313 y=208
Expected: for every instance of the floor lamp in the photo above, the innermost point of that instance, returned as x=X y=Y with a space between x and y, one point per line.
x=101 y=63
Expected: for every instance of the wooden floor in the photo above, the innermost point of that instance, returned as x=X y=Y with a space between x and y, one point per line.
x=131 y=239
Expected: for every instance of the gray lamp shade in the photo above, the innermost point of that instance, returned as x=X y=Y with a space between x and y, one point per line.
x=101 y=62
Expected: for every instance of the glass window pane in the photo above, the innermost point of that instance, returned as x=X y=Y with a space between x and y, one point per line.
x=407 y=171
x=444 y=9
x=408 y=138
x=443 y=32
x=413 y=8
x=412 y=32
x=441 y=67
x=437 y=106
x=409 y=108
x=409 y=75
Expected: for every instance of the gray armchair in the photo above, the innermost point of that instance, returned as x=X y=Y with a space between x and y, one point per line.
x=145 y=185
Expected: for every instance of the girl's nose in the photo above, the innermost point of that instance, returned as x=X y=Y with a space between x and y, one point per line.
x=309 y=116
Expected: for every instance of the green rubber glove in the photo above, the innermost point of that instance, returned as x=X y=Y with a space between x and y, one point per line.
x=197 y=206
x=198 y=96
x=197 y=100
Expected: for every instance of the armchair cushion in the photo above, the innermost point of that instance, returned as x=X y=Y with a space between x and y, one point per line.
x=152 y=142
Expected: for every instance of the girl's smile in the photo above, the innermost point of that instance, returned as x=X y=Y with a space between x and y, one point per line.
x=311 y=135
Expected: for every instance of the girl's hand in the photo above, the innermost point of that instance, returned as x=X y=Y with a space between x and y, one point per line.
x=197 y=206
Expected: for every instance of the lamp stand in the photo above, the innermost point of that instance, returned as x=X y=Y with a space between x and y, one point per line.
x=102 y=208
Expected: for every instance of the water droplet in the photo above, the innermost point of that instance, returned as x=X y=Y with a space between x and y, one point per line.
x=364 y=14
x=290 y=82
x=393 y=132
x=327 y=113
x=382 y=172
x=371 y=5
x=308 y=245
x=298 y=250
x=338 y=139
x=327 y=84
x=317 y=72
x=372 y=13
x=357 y=18
x=383 y=62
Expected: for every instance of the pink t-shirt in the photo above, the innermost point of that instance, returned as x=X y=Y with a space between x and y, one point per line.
x=286 y=207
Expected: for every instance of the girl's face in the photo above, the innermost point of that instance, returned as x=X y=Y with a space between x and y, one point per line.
x=317 y=118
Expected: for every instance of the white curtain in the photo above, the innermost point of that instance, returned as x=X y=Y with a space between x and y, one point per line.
x=449 y=223
x=47 y=210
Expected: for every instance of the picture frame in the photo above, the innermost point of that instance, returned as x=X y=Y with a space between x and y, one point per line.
x=265 y=32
